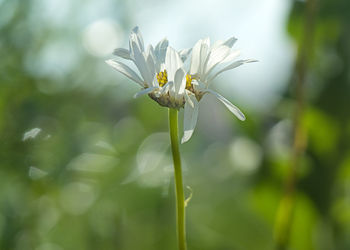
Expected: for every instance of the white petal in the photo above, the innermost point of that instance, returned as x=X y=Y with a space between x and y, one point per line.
x=217 y=43
x=232 y=66
x=190 y=117
x=199 y=85
x=230 y=42
x=180 y=82
x=172 y=63
x=123 y=53
x=160 y=50
x=184 y=53
x=171 y=89
x=216 y=56
x=233 y=54
x=141 y=63
x=125 y=70
x=195 y=59
x=139 y=39
x=165 y=88
x=131 y=50
x=228 y=104
x=159 y=54
x=155 y=82
x=145 y=91
x=150 y=62
x=188 y=100
x=204 y=55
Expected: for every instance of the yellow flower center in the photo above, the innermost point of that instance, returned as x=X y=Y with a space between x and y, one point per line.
x=162 y=78
x=188 y=81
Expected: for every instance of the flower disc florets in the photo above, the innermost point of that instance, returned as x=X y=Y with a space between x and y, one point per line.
x=164 y=98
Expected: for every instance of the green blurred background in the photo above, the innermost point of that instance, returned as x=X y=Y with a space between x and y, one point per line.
x=83 y=165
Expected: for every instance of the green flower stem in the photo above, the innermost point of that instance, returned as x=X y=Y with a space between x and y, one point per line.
x=179 y=191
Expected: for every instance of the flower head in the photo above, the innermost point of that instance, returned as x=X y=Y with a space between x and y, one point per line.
x=165 y=79
x=161 y=68
x=205 y=60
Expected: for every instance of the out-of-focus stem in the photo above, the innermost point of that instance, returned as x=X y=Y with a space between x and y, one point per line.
x=179 y=192
x=284 y=216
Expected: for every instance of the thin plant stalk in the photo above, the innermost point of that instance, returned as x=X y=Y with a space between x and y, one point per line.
x=179 y=191
x=285 y=211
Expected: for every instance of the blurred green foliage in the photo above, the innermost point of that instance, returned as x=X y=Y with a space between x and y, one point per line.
x=98 y=175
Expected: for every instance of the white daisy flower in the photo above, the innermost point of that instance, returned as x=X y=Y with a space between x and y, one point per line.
x=164 y=78
x=204 y=60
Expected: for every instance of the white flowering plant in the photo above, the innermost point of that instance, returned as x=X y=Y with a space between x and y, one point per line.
x=163 y=76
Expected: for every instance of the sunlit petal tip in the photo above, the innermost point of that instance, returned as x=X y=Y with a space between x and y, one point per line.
x=241 y=117
x=186 y=137
x=230 y=42
x=164 y=42
x=136 y=37
x=190 y=117
x=234 y=110
x=144 y=92
x=251 y=60
x=110 y=62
